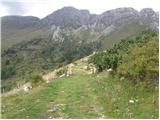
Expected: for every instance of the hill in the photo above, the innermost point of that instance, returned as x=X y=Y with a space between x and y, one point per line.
x=83 y=95
x=16 y=29
x=37 y=46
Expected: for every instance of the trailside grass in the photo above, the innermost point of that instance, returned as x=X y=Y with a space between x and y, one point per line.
x=84 y=96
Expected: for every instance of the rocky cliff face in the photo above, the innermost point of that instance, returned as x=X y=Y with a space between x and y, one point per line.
x=67 y=16
x=71 y=17
x=148 y=17
x=118 y=16
x=72 y=21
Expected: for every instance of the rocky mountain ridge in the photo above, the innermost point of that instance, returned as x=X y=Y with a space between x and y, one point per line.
x=72 y=17
x=32 y=45
x=69 y=16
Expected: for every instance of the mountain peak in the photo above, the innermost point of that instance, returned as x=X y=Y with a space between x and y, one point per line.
x=68 y=8
x=67 y=16
x=147 y=10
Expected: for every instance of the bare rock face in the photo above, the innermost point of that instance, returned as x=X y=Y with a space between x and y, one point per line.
x=147 y=13
x=68 y=16
x=72 y=17
x=70 y=21
x=150 y=18
x=118 y=16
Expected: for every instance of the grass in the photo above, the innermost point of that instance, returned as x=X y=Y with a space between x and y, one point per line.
x=115 y=95
x=120 y=33
x=83 y=96
x=16 y=36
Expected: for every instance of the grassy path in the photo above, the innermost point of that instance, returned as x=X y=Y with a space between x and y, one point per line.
x=83 y=96
x=68 y=97
x=76 y=97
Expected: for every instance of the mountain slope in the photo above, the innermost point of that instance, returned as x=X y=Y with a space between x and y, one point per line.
x=37 y=46
x=18 y=28
x=83 y=96
x=67 y=17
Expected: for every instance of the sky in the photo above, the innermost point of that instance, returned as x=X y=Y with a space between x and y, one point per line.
x=41 y=8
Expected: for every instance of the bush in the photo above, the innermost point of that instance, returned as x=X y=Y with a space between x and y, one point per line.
x=142 y=62
x=35 y=80
x=112 y=58
x=7 y=72
x=133 y=58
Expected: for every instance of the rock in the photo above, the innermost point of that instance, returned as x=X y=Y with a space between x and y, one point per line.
x=26 y=89
x=85 y=67
x=131 y=101
x=54 y=109
x=109 y=70
x=122 y=78
x=70 y=69
x=92 y=68
x=62 y=75
x=94 y=53
x=136 y=100
x=103 y=117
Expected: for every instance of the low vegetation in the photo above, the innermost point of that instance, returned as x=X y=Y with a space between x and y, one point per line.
x=129 y=89
x=35 y=80
x=40 y=55
x=84 y=96
x=134 y=58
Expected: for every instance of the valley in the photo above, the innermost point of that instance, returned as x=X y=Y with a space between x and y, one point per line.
x=75 y=64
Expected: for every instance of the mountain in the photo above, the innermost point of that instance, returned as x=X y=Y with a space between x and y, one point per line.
x=149 y=17
x=18 y=22
x=16 y=29
x=101 y=95
x=68 y=16
x=30 y=44
x=71 y=17
x=20 y=28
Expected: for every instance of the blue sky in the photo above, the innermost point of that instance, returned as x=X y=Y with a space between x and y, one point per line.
x=41 y=8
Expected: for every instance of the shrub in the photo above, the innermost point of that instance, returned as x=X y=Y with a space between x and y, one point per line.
x=142 y=62
x=112 y=58
x=133 y=58
x=7 y=72
x=35 y=80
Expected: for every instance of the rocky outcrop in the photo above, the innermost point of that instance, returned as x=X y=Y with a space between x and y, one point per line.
x=72 y=17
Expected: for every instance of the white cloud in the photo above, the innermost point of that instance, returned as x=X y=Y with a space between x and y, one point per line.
x=41 y=8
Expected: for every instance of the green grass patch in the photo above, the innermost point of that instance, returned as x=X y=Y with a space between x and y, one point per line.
x=84 y=96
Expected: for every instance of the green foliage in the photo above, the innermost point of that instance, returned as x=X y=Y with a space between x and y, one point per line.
x=42 y=55
x=135 y=58
x=35 y=80
x=84 y=96
x=7 y=72
x=104 y=60
x=141 y=63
